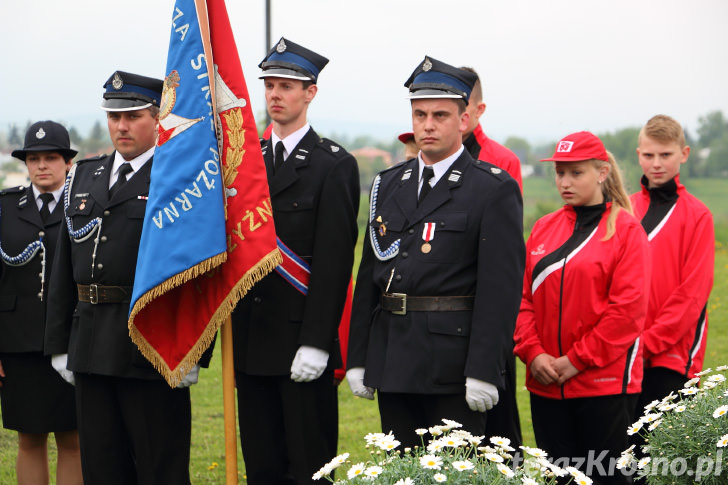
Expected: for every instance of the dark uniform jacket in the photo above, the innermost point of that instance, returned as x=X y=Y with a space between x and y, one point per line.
x=22 y=313
x=477 y=250
x=96 y=337
x=315 y=199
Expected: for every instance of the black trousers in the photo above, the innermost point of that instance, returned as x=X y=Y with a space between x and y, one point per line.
x=288 y=430
x=503 y=419
x=403 y=413
x=589 y=432
x=133 y=431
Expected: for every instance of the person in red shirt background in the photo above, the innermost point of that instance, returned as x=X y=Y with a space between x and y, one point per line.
x=479 y=145
x=682 y=247
x=583 y=309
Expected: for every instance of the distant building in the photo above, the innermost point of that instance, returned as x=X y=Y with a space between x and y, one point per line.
x=372 y=154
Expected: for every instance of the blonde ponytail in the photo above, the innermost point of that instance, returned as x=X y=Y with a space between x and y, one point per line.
x=614 y=191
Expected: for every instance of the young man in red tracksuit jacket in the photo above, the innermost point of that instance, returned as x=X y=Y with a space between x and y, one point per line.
x=682 y=246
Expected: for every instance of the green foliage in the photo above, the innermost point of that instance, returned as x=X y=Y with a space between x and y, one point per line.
x=686 y=435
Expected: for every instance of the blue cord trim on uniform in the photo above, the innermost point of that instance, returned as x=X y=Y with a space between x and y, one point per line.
x=393 y=249
x=86 y=231
x=24 y=258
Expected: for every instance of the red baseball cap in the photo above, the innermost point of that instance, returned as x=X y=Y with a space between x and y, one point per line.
x=405 y=137
x=578 y=147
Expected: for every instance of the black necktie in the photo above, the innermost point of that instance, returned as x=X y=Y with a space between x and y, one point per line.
x=121 y=179
x=427 y=174
x=45 y=211
x=278 y=160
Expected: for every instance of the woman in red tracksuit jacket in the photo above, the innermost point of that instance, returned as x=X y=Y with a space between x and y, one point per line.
x=582 y=312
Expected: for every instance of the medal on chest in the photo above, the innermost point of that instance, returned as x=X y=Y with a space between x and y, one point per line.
x=428 y=234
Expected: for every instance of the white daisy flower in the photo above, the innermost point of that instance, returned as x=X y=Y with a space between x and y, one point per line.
x=670 y=397
x=355 y=470
x=721 y=368
x=703 y=372
x=651 y=405
x=723 y=441
x=654 y=425
x=388 y=443
x=451 y=424
x=707 y=385
x=500 y=441
x=373 y=471
x=537 y=452
x=436 y=430
x=339 y=460
x=582 y=479
x=720 y=411
x=404 y=481
x=648 y=418
x=634 y=429
x=505 y=470
x=692 y=382
x=666 y=406
x=462 y=465
x=493 y=457
x=452 y=441
x=624 y=461
x=716 y=378
x=372 y=438
x=643 y=462
x=528 y=481
x=689 y=391
x=439 y=477
x=680 y=408
x=421 y=431
x=431 y=462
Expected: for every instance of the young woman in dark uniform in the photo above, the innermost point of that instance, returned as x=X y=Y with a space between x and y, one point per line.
x=35 y=399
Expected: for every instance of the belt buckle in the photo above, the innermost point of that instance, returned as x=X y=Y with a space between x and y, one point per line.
x=93 y=293
x=403 y=298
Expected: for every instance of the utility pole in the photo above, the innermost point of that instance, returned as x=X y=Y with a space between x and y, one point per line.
x=265 y=50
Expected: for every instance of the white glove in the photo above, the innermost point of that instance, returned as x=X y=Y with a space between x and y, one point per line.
x=190 y=378
x=59 y=362
x=308 y=364
x=480 y=395
x=355 y=377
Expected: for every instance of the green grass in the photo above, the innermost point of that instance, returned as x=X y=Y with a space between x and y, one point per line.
x=358 y=417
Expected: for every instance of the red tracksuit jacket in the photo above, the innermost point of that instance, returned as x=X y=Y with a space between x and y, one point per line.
x=682 y=248
x=585 y=298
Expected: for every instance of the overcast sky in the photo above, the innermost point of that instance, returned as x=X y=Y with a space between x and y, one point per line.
x=549 y=68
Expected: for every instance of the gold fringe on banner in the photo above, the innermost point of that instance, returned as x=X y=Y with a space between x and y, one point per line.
x=238 y=291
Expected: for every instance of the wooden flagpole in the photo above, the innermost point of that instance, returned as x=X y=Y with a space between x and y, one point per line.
x=228 y=396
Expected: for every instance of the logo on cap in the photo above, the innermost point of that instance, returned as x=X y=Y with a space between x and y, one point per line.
x=564 y=146
x=427 y=65
x=40 y=133
x=117 y=83
x=281 y=47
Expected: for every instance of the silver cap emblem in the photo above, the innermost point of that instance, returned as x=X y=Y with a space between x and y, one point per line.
x=281 y=47
x=427 y=65
x=40 y=133
x=117 y=83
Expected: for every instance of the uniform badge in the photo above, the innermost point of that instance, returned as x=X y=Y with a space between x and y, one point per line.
x=281 y=47
x=454 y=176
x=334 y=148
x=428 y=234
x=40 y=134
x=406 y=175
x=427 y=65
x=82 y=205
x=495 y=170
x=117 y=82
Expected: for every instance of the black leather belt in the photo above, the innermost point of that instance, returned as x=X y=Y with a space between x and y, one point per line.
x=400 y=303
x=103 y=294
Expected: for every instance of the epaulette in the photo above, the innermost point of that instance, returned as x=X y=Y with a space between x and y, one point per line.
x=92 y=159
x=497 y=172
x=331 y=147
x=12 y=190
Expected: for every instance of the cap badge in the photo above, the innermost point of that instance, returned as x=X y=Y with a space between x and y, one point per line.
x=564 y=146
x=281 y=47
x=40 y=133
x=117 y=83
x=427 y=65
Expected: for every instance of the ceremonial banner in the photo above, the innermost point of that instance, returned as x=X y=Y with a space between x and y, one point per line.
x=208 y=228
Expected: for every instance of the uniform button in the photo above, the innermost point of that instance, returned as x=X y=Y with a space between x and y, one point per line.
x=104 y=238
x=40 y=275
x=41 y=234
x=40 y=295
x=411 y=231
x=107 y=213
x=460 y=330
x=257 y=299
x=442 y=224
x=398 y=277
x=295 y=204
x=99 y=266
x=405 y=254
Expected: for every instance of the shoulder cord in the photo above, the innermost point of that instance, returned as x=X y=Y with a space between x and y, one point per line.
x=393 y=249
x=86 y=231
x=28 y=253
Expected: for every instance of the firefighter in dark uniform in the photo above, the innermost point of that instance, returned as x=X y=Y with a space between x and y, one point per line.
x=285 y=329
x=35 y=399
x=134 y=428
x=439 y=285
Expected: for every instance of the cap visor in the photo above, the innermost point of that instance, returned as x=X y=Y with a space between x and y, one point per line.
x=284 y=73
x=123 y=105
